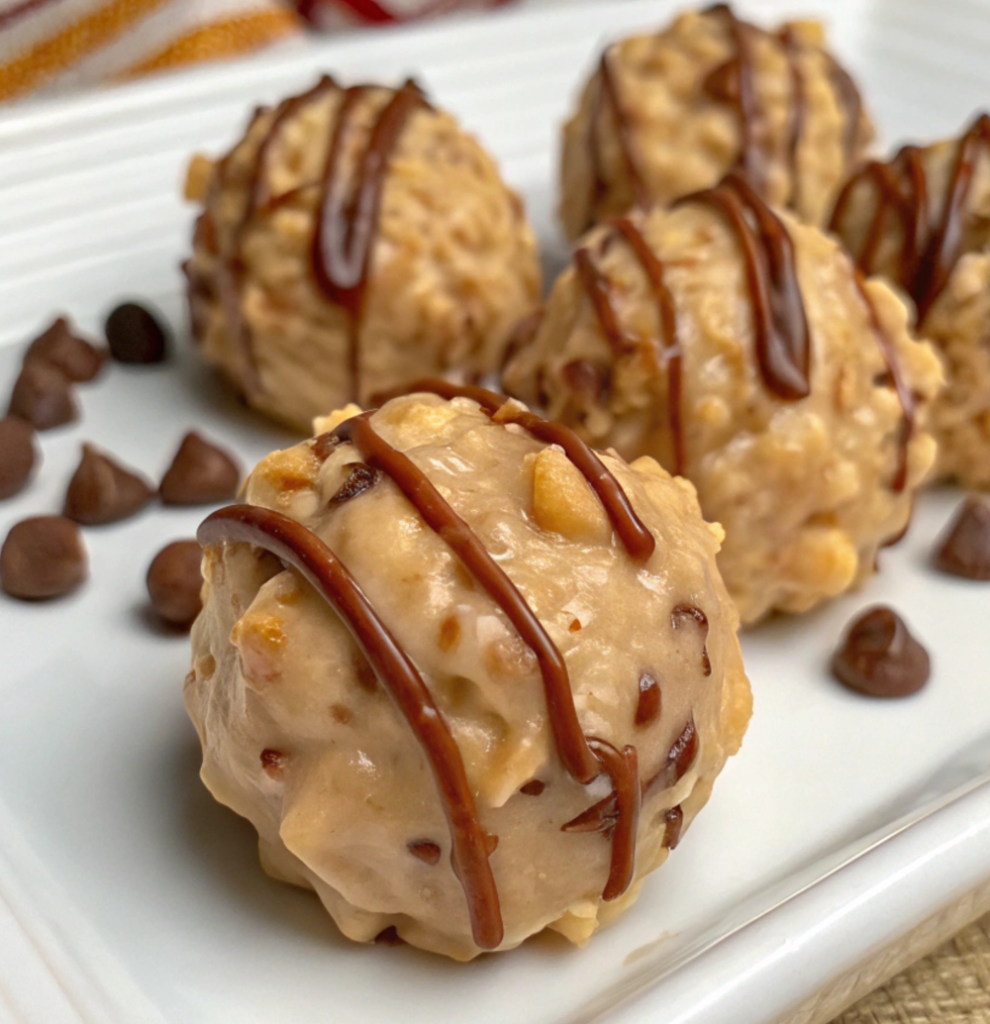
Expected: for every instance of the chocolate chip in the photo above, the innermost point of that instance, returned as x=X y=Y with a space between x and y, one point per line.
x=174 y=581
x=102 y=491
x=585 y=378
x=964 y=548
x=43 y=396
x=424 y=850
x=74 y=356
x=389 y=937
x=880 y=658
x=533 y=788
x=135 y=335
x=361 y=478
x=200 y=474
x=17 y=454
x=42 y=557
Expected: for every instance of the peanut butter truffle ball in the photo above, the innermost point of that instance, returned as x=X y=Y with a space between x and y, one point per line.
x=354 y=240
x=466 y=678
x=673 y=112
x=742 y=350
x=923 y=221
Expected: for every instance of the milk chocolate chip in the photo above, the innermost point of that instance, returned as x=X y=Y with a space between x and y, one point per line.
x=964 y=548
x=200 y=473
x=42 y=557
x=135 y=335
x=17 y=454
x=102 y=491
x=74 y=356
x=174 y=581
x=880 y=658
x=43 y=396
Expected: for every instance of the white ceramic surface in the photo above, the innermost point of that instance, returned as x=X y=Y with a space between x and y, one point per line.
x=127 y=895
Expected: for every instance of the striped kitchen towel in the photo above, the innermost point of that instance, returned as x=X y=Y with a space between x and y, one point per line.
x=64 y=45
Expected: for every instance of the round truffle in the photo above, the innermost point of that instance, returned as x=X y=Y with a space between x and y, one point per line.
x=354 y=240
x=673 y=112
x=742 y=350
x=467 y=683
x=923 y=220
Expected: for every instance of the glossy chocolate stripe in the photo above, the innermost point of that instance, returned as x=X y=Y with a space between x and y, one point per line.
x=598 y=289
x=944 y=250
x=632 y=532
x=654 y=270
x=904 y=394
x=347 y=218
x=850 y=101
x=605 y=97
x=301 y=549
x=783 y=342
x=623 y=769
x=797 y=112
x=752 y=159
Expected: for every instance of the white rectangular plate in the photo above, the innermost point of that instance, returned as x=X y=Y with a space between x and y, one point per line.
x=126 y=894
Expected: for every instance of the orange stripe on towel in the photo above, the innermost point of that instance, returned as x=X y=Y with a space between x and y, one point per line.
x=66 y=47
x=226 y=38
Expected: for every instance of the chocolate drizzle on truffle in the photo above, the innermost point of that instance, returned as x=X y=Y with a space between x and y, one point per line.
x=929 y=251
x=783 y=341
x=300 y=548
x=599 y=291
x=605 y=97
x=347 y=220
x=796 y=112
x=752 y=158
x=654 y=270
x=850 y=101
x=347 y=214
x=904 y=394
x=635 y=537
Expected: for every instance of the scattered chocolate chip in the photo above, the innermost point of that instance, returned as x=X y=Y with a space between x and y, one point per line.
x=174 y=581
x=17 y=454
x=201 y=473
x=360 y=479
x=880 y=658
x=533 y=788
x=964 y=548
x=43 y=396
x=424 y=850
x=42 y=557
x=74 y=356
x=135 y=335
x=389 y=937
x=648 y=705
x=102 y=491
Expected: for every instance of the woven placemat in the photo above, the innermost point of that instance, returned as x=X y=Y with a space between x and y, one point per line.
x=950 y=986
